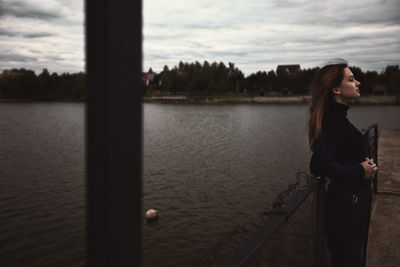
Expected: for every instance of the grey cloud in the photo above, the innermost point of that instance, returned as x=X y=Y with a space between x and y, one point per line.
x=192 y=53
x=330 y=13
x=54 y=58
x=4 y=32
x=15 y=57
x=198 y=45
x=382 y=16
x=21 y=9
x=170 y=35
x=287 y=4
x=7 y=33
x=190 y=25
x=38 y=35
x=156 y=56
x=205 y=26
x=228 y=53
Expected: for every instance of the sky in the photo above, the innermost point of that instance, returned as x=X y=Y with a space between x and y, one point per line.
x=254 y=34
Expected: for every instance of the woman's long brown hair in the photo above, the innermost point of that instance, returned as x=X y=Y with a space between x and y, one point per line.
x=325 y=79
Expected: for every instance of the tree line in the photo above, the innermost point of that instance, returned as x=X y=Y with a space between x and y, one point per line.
x=186 y=78
x=196 y=78
x=25 y=84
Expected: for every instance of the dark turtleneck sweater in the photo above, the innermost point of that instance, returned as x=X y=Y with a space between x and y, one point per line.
x=339 y=150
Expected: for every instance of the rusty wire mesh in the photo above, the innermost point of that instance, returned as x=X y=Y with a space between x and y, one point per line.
x=291 y=244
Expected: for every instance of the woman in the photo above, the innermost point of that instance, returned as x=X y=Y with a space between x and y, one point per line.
x=338 y=155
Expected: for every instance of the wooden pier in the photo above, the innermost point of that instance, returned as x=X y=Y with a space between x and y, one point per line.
x=384 y=233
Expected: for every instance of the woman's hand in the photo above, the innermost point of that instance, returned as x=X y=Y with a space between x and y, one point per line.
x=369 y=168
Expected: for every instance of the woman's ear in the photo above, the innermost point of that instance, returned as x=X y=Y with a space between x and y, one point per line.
x=336 y=91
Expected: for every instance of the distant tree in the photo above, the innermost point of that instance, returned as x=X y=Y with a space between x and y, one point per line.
x=19 y=83
x=165 y=78
x=272 y=81
x=304 y=80
x=47 y=84
x=283 y=80
x=235 y=77
x=79 y=91
x=392 y=77
x=371 y=78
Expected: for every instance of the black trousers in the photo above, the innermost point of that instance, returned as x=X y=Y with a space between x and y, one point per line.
x=347 y=223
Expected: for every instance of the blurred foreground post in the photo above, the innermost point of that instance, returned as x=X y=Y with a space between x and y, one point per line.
x=114 y=131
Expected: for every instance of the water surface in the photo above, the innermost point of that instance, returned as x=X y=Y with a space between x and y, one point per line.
x=207 y=169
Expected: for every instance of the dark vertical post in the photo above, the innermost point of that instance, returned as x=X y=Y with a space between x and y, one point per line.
x=375 y=180
x=114 y=131
x=320 y=246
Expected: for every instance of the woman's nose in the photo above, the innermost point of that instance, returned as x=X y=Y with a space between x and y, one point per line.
x=358 y=83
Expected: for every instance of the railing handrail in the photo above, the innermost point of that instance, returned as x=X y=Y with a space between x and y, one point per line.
x=374 y=125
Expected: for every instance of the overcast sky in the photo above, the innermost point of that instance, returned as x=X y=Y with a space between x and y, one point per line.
x=255 y=35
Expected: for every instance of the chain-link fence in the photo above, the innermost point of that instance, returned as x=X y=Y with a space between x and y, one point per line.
x=284 y=236
x=293 y=232
x=292 y=243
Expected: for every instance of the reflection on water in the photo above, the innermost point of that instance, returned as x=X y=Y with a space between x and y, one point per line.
x=207 y=169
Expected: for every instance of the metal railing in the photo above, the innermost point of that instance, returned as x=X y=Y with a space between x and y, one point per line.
x=293 y=234
x=371 y=148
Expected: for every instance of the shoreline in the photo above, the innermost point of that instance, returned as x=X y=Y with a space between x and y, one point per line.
x=16 y=100
x=302 y=100
x=232 y=99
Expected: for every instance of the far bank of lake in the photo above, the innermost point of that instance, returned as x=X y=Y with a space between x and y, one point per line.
x=240 y=99
x=233 y=98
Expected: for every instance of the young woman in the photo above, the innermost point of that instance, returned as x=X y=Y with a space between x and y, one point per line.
x=338 y=155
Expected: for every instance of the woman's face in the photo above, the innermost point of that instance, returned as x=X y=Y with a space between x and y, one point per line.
x=349 y=88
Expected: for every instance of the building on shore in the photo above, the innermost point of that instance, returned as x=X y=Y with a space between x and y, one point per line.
x=148 y=76
x=290 y=69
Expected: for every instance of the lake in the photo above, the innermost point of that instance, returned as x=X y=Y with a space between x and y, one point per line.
x=207 y=168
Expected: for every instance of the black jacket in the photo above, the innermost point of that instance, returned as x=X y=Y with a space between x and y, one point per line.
x=339 y=150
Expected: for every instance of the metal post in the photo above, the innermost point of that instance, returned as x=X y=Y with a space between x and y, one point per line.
x=375 y=180
x=114 y=131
